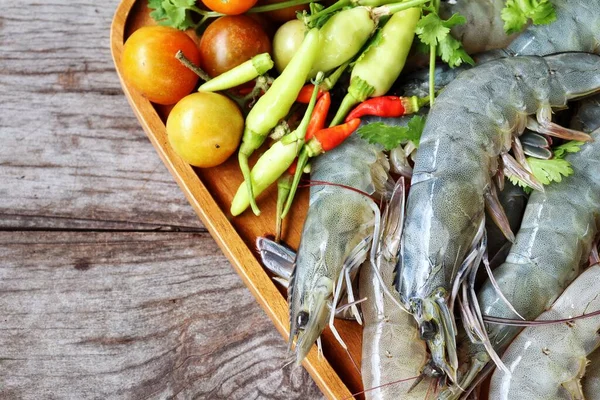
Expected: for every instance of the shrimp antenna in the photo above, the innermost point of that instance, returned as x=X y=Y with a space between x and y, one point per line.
x=310 y=183
x=517 y=322
x=381 y=386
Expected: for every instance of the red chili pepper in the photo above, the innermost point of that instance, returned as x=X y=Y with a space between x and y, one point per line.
x=319 y=115
x=329 y=138
x=306 y=92
x=385 y=106
x=324 y=140
x=292 y=168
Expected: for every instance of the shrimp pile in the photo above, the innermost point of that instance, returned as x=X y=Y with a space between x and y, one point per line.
x=547 y=253
x=420 y=258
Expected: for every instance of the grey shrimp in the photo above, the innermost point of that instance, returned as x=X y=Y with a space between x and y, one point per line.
x=547 y=362
x=337 y=235
x=577 y=28
x=591 y=380
x=472 y=123
x=554 y=241
x=391 y=349
x=484 y=29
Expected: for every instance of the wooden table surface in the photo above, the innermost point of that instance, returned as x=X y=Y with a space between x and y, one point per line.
x=110 y=287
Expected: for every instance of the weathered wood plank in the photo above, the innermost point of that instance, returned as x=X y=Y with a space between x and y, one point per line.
x=72 y=152
x=134 y=315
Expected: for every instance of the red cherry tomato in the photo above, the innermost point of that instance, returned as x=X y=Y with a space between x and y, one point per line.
x=229 y=41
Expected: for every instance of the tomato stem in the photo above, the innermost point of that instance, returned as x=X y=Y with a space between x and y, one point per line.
x=196 y=69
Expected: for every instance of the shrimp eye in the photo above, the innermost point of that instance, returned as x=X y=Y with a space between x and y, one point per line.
x=302 y=319
x=428 y=330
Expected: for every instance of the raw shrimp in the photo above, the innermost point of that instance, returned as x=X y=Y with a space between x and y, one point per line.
x=338 y=233
x=591 y=380
x=554 y=241
x=513 y=200
x=577 y=28
x=469 y=126
x=484 y=29
x=547 y=362
x=391 y=350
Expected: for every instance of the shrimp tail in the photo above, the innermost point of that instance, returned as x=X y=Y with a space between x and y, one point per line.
x=276 y=258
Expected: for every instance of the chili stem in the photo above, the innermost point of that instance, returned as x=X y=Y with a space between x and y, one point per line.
x=302 y=161
x=332 y=8
x=283 y=190
x=389 y=9
x=332 y=79
x=197 y=70
x=278 y=6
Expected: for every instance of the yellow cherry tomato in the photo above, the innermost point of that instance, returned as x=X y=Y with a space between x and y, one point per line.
x=205 y=128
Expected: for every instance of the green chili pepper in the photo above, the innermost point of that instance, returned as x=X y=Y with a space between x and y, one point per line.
x=378 y=68
x=239 y=75
x=275 y=104
x=342 y=37
x=275 y=161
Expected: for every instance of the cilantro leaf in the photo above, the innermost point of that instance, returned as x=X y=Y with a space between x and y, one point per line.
x=516 y=13
x=174 y=13
x=570 y=147
x=391 y=137
x=547 y=171
x=455 y=19
x=431 y=29
x=434 y=31
x=451 y=52
x=518 y=182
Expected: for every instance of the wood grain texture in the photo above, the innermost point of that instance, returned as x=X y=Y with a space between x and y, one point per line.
x=210 y=192
x=104 y=292
x=134 y=316
x=72 y=152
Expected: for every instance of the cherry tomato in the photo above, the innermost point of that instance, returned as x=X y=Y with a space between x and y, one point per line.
x=230 y=7
x=150 y=66
x=286 y=42
x=284 y=14
x=205 y=128
x=229 y=41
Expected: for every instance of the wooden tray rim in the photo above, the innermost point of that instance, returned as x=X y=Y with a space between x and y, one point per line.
x=230 y=242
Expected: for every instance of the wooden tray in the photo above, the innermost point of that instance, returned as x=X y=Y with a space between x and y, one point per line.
x=210 y=191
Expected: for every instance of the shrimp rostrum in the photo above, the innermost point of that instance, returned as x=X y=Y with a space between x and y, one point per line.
x=475 y=121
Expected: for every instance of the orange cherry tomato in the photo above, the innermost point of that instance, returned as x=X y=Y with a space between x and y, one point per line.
x=230 y=7
x=150 y=66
